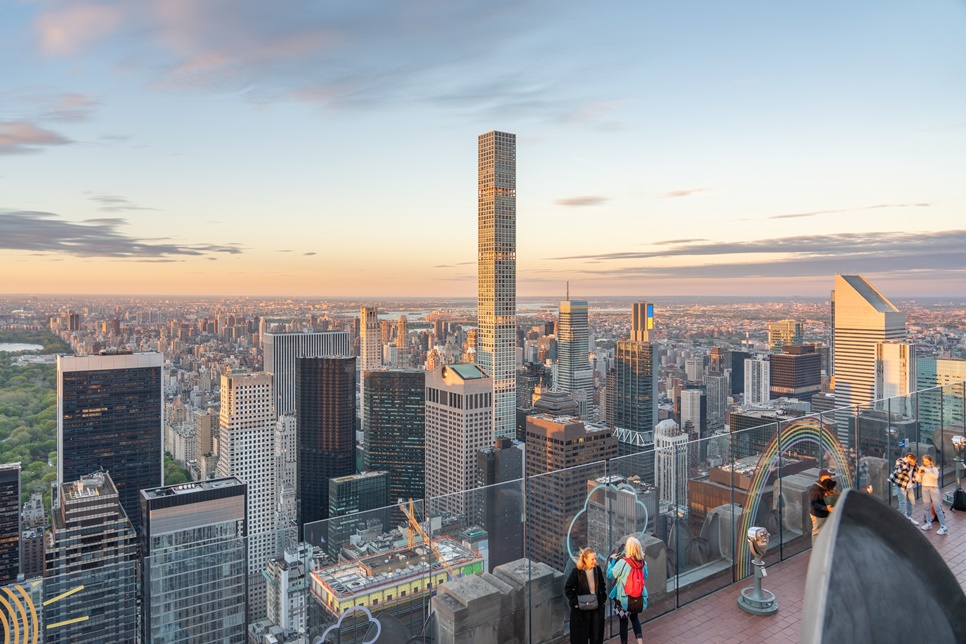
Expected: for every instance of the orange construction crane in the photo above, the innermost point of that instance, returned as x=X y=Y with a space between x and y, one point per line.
x=414 y=528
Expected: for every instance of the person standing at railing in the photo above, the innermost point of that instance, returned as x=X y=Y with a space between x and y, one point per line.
x=629 y=593
x=818 y=507
x=903 y=477
x=928 y=476
x=586 y=591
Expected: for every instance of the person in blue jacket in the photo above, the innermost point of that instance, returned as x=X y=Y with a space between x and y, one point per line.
x=619 y=569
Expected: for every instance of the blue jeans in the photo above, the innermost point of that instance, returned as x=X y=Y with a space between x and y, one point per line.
x=635 y=621
x=907 y=499
x=931 y=495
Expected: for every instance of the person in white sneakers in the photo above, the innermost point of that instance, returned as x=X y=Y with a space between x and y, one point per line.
x=928 y=476
x=903 y=477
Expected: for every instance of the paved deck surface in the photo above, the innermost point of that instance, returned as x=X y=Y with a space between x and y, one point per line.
x=716 y=619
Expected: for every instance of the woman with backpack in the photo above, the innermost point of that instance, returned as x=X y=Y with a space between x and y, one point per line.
x=587 y=592
x=629 y=593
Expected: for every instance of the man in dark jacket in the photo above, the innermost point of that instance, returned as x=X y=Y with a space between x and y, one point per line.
x=817 y=507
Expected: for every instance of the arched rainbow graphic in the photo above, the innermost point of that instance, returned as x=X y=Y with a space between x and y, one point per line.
x=808 y=429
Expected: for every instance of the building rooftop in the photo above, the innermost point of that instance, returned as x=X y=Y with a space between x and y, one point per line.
x=392 y=567
x=468 y=371
x=870 y=294
x=188 y=488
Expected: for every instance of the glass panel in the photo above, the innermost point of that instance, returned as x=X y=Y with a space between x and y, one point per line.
x=564 y=515
x=803 y=441
x=954 y=424
x=753 y=472
x=704 y=537
x=366 y=565
x=877 y=447
x=636 y=505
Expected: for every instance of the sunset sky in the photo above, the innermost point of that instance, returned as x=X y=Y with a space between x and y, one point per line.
x=329 y=148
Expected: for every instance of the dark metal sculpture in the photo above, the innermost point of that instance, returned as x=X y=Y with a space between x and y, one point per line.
x=874 y=578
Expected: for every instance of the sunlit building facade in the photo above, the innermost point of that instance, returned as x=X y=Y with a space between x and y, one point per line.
x=497 y=273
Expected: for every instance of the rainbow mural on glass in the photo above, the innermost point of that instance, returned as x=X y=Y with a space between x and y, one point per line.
x=801 y=430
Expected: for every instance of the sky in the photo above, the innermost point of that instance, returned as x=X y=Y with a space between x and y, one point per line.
x=243 y=147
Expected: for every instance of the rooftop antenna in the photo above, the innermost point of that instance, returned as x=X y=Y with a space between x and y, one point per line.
x=568 y=290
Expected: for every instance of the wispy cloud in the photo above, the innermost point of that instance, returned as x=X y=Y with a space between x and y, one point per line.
x=454 y=265
x=309 y=254
x=38 y=103
x=815 y=213
x=50 y=233
x=114 y=203
x=893 y=253
x=587 y=200
x=339 y=54
x=685 y=192
x=23 y=137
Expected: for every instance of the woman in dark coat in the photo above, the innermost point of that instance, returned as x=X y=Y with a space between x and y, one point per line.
x=586 y=626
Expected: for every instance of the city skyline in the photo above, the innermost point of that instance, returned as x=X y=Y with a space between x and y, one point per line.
x=741 y=149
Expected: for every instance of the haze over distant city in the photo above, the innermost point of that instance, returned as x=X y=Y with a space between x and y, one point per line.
x=703 y=148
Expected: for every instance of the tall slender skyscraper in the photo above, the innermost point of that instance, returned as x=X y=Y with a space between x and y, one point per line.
x=246 y=450
x=863 y=319
x=402 y=342
x=370 y=351
x=575 y=374
x=110 y=417
x=370 y=339
x=281 y=350
x=497 y=273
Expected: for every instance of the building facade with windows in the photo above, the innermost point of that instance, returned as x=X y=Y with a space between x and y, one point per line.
x=497 y=273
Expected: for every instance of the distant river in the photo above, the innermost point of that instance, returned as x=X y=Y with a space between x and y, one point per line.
x=19 y=346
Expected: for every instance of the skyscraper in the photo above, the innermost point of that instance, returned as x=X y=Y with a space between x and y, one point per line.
x=459 y=423
x=246 y=450
x=575 y=375
x=895 y=375
x=671 y=464
x=693 y=410
x=370 y=351
x=499 y=469
x=281 y=350
x=110 y=417
x=642 y=321
x=89 y=525
x=355 y=500
x=497 y=273
x=9 y=523
x=555 y=499
x=784 y=332
x=635 y=388
x=402 y=342
x=370 y=339
x=325 y=404
x=395 y=401
x=195 y=562
x=863 y=317
x=796 y=372
x=935 y=410
x=757 y=380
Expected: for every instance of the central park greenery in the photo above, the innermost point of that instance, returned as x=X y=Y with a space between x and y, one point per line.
x=28 y=417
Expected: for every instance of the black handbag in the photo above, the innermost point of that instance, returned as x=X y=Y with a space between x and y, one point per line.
x=587 y=602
